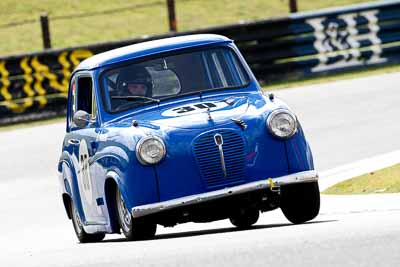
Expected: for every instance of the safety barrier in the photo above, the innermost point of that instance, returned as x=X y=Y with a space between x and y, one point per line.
x=303 y=44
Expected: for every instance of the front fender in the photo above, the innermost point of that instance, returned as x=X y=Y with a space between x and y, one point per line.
x=299 y=153
x=117 y=157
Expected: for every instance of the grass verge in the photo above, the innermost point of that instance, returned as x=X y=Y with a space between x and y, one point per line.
x=77 y=22
x=382 y=181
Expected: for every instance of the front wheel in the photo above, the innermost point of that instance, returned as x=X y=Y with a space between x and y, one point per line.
x=82 y=236
x=300 y=202
x=133 y=229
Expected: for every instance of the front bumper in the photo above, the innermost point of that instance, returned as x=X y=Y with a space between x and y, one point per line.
x=273 y=184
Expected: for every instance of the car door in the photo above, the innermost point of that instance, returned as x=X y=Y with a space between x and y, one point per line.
x=84 y=142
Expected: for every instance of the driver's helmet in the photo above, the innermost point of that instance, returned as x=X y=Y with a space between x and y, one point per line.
x=134 y=81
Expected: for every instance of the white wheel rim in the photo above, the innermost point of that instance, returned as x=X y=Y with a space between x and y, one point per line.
x=124 y=215
x=78 y=222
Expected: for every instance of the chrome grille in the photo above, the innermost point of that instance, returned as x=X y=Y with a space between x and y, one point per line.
x=208 y=158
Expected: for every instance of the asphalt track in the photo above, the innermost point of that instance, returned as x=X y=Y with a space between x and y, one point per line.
x=344 y=121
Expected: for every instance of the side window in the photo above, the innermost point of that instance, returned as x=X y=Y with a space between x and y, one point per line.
x=84 y=96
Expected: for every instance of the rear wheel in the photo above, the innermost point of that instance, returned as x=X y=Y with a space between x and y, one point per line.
x=82 y=236
x=133 y=229
x=300 y=202
x=244 y=218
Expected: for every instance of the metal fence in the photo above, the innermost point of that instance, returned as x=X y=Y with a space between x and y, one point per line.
x=60 y=22
x=303 y=44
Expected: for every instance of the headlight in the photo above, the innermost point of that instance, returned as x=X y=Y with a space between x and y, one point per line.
x=282 y=123
x=150 y=150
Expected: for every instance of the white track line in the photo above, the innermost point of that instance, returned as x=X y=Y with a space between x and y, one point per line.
x=336 y=175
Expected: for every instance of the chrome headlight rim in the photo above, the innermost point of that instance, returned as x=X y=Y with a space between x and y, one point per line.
x=139 y=147
x=276 y=112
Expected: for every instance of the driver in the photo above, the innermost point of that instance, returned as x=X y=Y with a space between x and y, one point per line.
x=135 y=81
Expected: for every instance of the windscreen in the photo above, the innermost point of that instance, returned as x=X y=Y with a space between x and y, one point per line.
x=171 y=76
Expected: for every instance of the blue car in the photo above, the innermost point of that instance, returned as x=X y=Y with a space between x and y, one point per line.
x=178 y=130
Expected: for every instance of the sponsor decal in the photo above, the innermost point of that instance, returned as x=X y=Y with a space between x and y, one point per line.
x=338 y=40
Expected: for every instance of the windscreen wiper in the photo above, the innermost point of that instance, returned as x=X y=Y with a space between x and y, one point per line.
x=136 y=97
x=201 y=92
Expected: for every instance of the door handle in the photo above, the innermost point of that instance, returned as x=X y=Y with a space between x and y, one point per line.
x=73 y=141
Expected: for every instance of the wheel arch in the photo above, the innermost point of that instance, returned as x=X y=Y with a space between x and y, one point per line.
x=67 y=200
x=110 y=189
x=64 y=162
x=69 y=185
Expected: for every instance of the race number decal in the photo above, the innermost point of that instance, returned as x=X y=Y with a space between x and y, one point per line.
x=194 y=108
x=85 y=181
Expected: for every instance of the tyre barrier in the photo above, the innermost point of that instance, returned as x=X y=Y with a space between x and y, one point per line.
x=33 y=86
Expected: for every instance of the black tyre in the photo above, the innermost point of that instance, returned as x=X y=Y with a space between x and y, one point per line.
x=300 y=202
x=82 y=236
x=133 y=229
x=244 y=218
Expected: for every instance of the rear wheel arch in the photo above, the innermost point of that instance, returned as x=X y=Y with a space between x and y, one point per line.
x=64 y=159
x=67 y=171
x=71 y=188
x=66 y=195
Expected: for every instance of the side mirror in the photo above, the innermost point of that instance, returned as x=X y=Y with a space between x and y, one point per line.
x=81 y=119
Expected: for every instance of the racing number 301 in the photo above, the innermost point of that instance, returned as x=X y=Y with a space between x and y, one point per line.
x=200 y=106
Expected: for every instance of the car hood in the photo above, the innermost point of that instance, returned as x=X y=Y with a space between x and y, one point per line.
x=195 y=113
